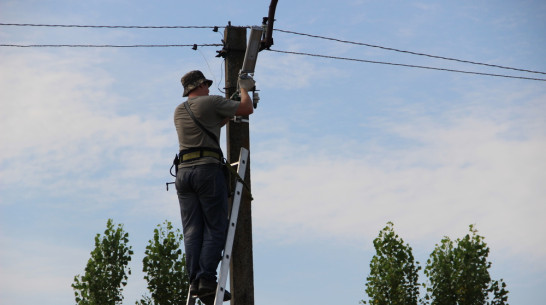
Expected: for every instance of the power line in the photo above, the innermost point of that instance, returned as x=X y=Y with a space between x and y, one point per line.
x=409 y=52
x=194 y=46
x=110 y=46
x=405 y=65
x=114 y=26
x=215 y=28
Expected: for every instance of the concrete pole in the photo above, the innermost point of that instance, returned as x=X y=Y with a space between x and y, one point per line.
x=242 y=268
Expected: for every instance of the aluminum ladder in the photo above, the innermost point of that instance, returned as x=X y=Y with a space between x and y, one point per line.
x=236 y=203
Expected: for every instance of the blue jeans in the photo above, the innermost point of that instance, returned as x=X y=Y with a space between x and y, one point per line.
x=202 y=194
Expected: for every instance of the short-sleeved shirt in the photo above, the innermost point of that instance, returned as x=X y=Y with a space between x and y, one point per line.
x=210 y=111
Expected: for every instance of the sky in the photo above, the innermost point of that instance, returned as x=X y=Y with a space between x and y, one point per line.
x=338 y=148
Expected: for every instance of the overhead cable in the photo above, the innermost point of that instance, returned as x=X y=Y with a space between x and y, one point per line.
x=109 y=46
x=215 y=28
x=405 y=65
x=279 y=30
x=409 y=52
x=114 y=26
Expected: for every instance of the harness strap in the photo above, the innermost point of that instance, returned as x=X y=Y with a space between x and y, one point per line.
x=199 y=152
x=208 y=132
x=239 y=179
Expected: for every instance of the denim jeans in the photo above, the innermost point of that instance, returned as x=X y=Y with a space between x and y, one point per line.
x=202 y=194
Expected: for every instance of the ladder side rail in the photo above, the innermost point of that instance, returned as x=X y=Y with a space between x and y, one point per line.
x=224 y=268
x=236 y=203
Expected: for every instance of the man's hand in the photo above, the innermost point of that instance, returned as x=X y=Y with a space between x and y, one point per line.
x=246 y=82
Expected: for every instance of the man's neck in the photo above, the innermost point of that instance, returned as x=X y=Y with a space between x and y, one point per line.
x=196 y=94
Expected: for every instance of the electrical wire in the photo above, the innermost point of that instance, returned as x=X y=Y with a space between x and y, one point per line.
x=215 y=28
x=114 y=26
x=409 y=52
x=221 y=76
x=405 y=65
x=278 y=30
x=207 y=62
x=109 y=45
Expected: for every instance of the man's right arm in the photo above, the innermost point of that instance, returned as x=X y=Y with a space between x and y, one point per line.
x=245 y=107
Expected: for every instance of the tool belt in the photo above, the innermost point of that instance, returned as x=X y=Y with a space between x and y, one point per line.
x=192 y=154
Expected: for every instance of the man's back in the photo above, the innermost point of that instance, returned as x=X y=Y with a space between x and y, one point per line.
x=210 y=111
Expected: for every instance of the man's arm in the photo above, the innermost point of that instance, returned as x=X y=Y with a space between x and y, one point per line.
x=245 y=107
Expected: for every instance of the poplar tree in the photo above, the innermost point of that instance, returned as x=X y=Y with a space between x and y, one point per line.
x=165 y=268
x=393 y=278
x=106 y=271
x=458 y=274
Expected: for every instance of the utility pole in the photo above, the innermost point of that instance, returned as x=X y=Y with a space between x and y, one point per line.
x=242 y=266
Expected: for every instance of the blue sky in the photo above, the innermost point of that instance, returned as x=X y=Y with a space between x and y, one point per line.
x=338 y=148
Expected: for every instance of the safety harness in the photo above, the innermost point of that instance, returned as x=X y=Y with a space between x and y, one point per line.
x=192 y=154
x=196 y=153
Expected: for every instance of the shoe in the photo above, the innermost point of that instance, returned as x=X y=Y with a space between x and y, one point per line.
x=194 y=288
x=227 y=296
x=209 y=298
x=206 y=287
x=207 y=291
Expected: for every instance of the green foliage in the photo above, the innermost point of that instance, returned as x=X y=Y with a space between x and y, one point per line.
x=459 y=274
x=440 y=271
x=164 y=265
x=105 y=273
x=393 y=275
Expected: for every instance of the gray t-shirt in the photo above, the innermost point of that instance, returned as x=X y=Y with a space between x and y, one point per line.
x=210 y=111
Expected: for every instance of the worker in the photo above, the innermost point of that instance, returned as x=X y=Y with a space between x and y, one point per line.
x=200 y=181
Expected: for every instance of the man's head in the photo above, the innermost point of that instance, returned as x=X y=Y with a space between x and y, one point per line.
x=192 y=80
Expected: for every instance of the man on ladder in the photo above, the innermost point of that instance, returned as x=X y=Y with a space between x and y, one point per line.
x=200 y=180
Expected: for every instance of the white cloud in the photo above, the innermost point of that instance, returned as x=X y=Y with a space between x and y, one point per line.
x=467 y=173
x=65 y=121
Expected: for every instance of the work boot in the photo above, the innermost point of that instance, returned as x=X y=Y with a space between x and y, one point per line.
x=209 y=299
x=206 y=287
x=207 y=292
x=194 y=288
x=227 y=296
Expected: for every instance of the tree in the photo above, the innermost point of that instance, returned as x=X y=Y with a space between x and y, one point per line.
x=105 y=273
x=393 y=275
x=164 y=265
x=459 y=274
